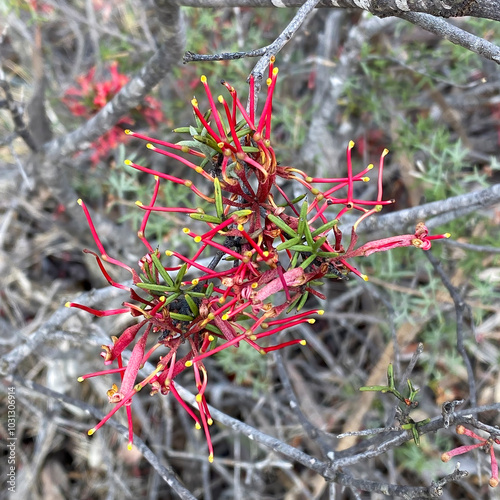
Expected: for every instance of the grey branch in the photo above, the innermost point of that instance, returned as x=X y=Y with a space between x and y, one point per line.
x=435 y=211
x=454 y=34
x=488 y=9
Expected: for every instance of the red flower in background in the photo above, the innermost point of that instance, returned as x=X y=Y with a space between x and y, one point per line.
x=91 y=95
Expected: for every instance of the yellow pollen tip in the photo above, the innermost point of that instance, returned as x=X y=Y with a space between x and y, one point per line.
x=447 y=235
x=197 y=426
x=195 y=281
x=210 y=421
x=150 y=146
x=302 y=342
x=68 y=304
x=162 y=298
x=275 y=71
x=188 y=363
x=220 y=99
x=79 y=201
x=129 y=447
x=203 y=79
x=91 y=431
x=140 y=234
x=211 y=458
x=351 y=144
x=128 y=132
x=315 y=191
x=225 y=317
x=385 y=152
x=197 y=239
x=221 y=300
x=254 y=285
x=188 y=183
x=156 y=178
x=311 y=321
x=321 y=312
x=169 y=253
x=240 y=227
x=198 y=170
x=370 y=166
x=265 y=253
x=211 y=338
x=365 y=179
x=365 y=277
x=186 y=230
x=262 y=352
x=268 y=82
x=139 y=203
x=80 y=379
x=378 y=208
x=128 y=162
x=198 y=398
x=253 y=337
x=308 y=179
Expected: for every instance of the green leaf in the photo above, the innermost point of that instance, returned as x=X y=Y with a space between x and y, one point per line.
x=325 y=227
x=288 y=243
x=180 y=275
x=163 y=273
x=181 y=317
x=294 y=201
x=154 y=287
x=219 y=207
x=206 y=218
x=308 y=261
x=192 y=304
x=302 y=301
x=377 y=388
x=302 y=218
x=390 y=376
x=281 y=224
x=209 y=290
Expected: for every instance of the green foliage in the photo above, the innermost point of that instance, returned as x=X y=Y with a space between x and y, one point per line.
x=246 y=365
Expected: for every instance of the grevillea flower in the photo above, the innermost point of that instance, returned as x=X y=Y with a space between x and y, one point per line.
x=486 y=444
x=90 y=95
x=268 y=252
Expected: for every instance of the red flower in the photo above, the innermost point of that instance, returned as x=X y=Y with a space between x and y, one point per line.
x=485 y=443
x=90 y=96
x=279 y=248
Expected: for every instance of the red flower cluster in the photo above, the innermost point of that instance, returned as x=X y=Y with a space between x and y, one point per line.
x=90 y=96
x=485 y=443
x=269 y=253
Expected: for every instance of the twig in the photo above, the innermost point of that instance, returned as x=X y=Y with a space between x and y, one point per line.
x=312 y=431
x=19 y=125
x=488 y=9
x=403 y=219
x=281 y=41
x=265 y=52
x=166 y=472
x=461 y=307
x=470 y=246
x=454 y=34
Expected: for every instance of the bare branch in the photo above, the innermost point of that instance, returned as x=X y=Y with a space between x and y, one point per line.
x=488 y=9
x=456 y=206
x=165 y=471
x=17 y=117
x=461 y=310
x=454 y=34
